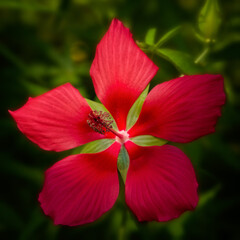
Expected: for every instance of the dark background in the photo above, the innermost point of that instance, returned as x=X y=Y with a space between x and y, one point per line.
x=45 y=43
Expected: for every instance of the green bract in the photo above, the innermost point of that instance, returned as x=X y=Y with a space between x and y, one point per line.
x=123 y=163
x=148 y=140
x=95 y=146
x=136 y=109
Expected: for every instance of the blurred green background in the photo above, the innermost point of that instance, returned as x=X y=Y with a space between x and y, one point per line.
x=45 y=43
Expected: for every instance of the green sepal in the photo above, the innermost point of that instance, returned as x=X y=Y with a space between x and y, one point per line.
x=167 y=36
x=148 y=140
x=100 y=107
x=94 y=147
x=150 y=36
x=136 y=109
x=182 y=61
x=123 y=163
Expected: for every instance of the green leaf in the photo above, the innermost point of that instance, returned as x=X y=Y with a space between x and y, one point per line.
x=207 y=196
x=182 y=61
x=94 y=147
x=148 y=140
x=123 y=163
x=100 y=107
x=150 y=36
x=136 y=109
x=167 y=36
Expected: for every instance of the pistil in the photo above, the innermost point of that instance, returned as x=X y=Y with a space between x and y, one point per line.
x=116 y=133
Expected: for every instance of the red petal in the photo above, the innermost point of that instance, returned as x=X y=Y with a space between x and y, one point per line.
x=183 y=109
x=81 y=188
x=120 y=71
x=160 y=184
x=56 y=120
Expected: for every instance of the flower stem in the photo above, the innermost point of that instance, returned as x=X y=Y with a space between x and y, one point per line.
x=202 y=55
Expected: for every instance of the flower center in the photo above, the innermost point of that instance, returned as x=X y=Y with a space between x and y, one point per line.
x=101 y=122
x=124 y=138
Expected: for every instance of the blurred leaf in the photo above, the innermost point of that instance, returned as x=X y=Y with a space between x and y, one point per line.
x=131 y=223
x=183 y=62
x=116 y=221
x=94 y=146
x=136 y=109
x=27 y=6
x=176 y=228
x=100 y=107
x=205 y=197
x=129 y=226
x=34 y=89
x=123 y=163
x=147 y=140
x=227 y=40
x=150 y=36
x=167 y=36
x=40 y=70
x=201 y=38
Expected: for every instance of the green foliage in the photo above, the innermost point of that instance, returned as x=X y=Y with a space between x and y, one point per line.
x=182 y=61
x=167 y=36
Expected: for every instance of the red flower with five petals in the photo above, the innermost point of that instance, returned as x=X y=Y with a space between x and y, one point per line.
x=160 y=182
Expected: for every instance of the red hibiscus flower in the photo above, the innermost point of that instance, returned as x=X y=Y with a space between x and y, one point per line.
x=160 y=183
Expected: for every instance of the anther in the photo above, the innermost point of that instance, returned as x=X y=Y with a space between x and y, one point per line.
x=99 y=121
